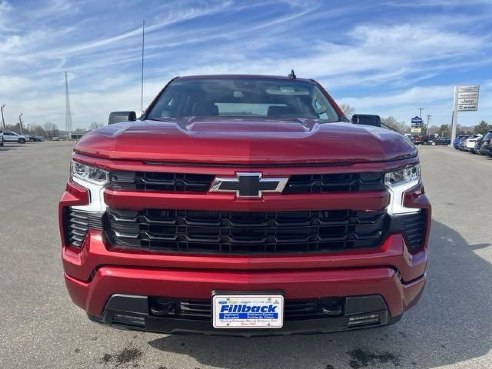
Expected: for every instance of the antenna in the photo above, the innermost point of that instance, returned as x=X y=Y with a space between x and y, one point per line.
x=142 y=81
x=68 y=113
x=292 y=75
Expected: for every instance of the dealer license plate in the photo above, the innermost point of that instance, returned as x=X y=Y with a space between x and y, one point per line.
x=248 y=311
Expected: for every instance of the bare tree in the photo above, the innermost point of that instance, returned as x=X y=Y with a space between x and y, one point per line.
x=394 y=124
x=444 y=131
x=95 y=125
x=51 y=129
x=347 y=109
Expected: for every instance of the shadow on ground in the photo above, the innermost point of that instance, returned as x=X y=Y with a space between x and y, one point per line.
x=451 y=324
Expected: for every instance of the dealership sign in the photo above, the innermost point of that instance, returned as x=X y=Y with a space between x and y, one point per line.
x=417 y=122
x=466 y=98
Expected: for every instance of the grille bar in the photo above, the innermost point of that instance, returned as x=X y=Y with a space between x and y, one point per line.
x=245 y=232
x=154 y=181
x=188 y=182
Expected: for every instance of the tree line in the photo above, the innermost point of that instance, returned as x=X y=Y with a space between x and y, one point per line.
x=444 y=130
x=47 y=130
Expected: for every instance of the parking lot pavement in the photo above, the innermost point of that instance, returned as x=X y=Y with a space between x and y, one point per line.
x=41 y=328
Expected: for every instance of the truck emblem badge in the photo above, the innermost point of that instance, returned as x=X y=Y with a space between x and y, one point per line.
x=250 y=185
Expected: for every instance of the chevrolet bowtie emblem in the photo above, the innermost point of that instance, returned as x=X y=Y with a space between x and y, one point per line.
x=250 y=185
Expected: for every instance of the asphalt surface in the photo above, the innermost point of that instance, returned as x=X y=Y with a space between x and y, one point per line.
x=41 y=328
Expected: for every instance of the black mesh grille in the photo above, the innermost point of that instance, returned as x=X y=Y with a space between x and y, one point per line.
x=346 y=182
x=152 y=181
x=77 y=224
x=185 y=182
x=245 y=232
x=412 y=226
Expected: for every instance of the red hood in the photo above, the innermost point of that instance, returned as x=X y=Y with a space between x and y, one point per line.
x=244 y=141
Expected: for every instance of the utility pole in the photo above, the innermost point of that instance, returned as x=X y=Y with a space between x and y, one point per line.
x=427 y=125
x=20 y=122
x=420 y=112
x=3 y=119
x=68 y=112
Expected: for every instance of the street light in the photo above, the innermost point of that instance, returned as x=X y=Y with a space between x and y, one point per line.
x=420 y=112
x=3 y=120
x=20 y=123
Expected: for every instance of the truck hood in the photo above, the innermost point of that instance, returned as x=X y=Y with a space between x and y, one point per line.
x=245 y=141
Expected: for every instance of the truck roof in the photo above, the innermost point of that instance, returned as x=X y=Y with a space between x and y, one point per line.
x=244 y=76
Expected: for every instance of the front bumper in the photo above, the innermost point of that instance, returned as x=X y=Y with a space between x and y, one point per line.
x=95 y=275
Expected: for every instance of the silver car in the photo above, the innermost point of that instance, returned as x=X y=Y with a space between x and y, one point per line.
x=9 y=136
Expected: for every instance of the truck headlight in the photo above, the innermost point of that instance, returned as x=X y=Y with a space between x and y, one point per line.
x=402 y=176
x=94 y=179
x=398 y=183
x=89 y=174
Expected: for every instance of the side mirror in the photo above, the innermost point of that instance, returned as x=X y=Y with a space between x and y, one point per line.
x=367 y=119
x=122 y=116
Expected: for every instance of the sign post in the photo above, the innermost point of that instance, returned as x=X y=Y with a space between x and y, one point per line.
x=465 y=99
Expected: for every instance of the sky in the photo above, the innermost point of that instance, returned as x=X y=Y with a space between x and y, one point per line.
x=380 y=57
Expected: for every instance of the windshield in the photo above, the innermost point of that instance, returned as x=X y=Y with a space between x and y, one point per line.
x=243 y=97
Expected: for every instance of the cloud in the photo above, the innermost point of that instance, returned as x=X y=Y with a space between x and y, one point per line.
x=379 y=57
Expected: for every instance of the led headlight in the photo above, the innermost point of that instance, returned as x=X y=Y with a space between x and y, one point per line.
x=94 y=179
x=398 y=182
x=89 y=174
x=402 y=176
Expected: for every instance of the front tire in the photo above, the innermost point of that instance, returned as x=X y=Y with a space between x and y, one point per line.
x=22 y=140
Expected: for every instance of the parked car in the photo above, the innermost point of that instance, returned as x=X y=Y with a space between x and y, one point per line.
x=37 y=138
x=456 y=141
x=486 y=148
x=476 y=147
x=461 y=144
x=1 y=138
x=442 y=141
x=416 y=139
x=9 y=136
x=469 y=143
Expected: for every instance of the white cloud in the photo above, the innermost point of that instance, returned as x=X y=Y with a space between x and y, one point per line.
x=388 y=65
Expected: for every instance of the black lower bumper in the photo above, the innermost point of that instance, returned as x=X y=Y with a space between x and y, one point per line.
x=136 y=312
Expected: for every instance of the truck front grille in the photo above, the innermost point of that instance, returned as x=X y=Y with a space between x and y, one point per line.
x=226 y=232
x=346 y=182
x=187 y=182
x=154 y=181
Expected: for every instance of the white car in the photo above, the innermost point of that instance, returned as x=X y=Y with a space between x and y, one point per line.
x=470 y=142
x=9 y=136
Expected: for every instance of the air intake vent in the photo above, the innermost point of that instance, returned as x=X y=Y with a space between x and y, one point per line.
x=77 y=224
x=412 y=226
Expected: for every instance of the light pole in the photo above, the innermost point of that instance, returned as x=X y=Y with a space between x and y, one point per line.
x=427 y=125
x=3 y=119
x=20 y=122
x=420 y=112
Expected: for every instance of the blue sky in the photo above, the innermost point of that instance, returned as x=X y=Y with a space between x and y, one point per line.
x=383 y=57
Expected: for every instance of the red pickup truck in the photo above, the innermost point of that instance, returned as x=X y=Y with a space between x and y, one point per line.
x=244 y=205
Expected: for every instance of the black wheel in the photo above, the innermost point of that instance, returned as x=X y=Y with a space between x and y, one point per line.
x=22 y=140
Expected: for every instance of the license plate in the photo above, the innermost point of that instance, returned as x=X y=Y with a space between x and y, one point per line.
x=248 y=311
